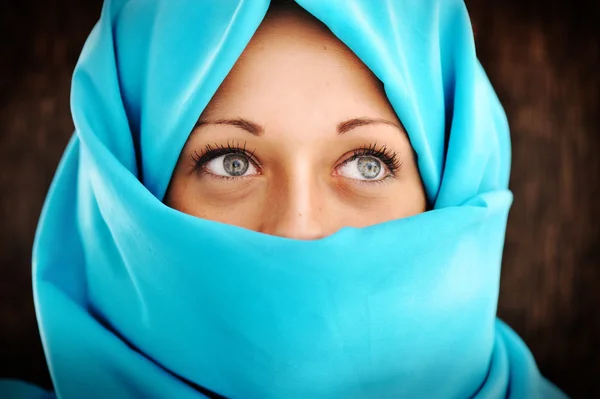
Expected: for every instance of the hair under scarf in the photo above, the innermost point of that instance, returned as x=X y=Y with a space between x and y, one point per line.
x=135 y=299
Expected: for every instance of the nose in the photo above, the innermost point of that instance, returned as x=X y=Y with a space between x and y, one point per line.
x=296 y=211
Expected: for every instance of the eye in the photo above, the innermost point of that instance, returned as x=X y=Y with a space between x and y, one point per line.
x=363 y=168
x=231 y=165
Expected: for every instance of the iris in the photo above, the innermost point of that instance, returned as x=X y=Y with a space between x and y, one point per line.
x=369 y=167
x=235 y=164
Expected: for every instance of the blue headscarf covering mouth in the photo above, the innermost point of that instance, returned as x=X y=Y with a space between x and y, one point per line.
x=135 y=299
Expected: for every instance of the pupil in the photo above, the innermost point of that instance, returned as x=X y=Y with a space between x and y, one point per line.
x=235 y=164
x=369 y=167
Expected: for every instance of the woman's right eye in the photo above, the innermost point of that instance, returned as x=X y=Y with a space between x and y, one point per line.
x=231 y=165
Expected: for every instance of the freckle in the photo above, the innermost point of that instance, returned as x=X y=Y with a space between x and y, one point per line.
x=324 y=47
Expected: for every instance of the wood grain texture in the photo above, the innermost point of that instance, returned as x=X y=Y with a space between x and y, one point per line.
x=543 y=60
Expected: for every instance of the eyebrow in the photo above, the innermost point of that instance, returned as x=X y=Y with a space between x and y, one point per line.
x=350 y=124
x=251 y=127
x=257 y=130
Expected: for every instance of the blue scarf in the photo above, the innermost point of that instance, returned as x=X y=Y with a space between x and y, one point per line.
x=138 y=300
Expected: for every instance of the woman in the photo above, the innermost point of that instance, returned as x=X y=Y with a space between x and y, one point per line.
x=332 y=227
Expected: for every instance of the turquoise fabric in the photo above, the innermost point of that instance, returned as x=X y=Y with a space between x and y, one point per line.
x=10 y=388
x=137 y=300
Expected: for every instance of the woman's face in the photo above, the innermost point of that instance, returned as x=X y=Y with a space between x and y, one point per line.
x=299 y=141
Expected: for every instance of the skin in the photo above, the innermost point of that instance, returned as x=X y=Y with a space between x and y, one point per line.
x=302 y=103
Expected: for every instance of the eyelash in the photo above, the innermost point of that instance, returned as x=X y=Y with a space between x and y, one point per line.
x=211 y=152
x=384 y=154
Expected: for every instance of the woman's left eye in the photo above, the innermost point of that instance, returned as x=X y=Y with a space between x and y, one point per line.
x=231 y=165
x=364 y=168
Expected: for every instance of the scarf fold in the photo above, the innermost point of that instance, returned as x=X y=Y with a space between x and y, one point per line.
x=135 y=299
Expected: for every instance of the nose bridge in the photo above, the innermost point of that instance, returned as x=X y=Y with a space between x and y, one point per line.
x=299 y=205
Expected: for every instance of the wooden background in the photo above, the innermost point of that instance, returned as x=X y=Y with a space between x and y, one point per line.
x=544 y=61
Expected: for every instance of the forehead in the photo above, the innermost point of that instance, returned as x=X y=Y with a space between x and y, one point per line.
x=294 y=60
x=293 y=34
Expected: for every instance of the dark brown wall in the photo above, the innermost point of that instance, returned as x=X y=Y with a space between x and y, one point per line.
x=543 y=59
